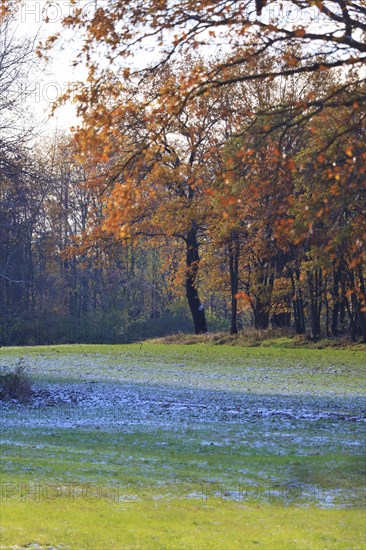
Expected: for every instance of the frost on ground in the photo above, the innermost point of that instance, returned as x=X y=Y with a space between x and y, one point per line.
x=211 y=418
x=112 y=405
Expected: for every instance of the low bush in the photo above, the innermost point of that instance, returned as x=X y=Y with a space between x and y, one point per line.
x=15 y=384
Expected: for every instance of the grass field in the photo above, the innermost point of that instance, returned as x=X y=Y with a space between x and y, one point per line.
x=177 y=446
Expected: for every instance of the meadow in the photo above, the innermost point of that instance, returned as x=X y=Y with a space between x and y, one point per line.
x=185 y=446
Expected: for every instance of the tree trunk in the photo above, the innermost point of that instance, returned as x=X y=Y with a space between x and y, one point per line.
x=352 y=324
x=355 y=311
x=315 y=291
x=326 y=303
x=262 y=304
x=362 y=304
x=261 y=315
x=192 y=263
x=234 y=249
x=298 y=303
x=336 y=302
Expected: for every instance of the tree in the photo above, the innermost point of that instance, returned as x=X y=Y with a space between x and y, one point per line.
x=322 y=36
x=132 y=116
x=252 y=196
x=160 y=194
x=21 y=190
x=17 y=68
x=333 y=222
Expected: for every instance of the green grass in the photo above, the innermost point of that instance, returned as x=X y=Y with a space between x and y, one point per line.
x=178 y=524
x=169 y=479
x=319 y=369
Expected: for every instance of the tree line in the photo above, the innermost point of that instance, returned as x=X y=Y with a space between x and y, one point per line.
x=234 y=183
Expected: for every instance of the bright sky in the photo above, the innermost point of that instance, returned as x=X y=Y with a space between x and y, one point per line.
x=59 y=73
x=54 y=77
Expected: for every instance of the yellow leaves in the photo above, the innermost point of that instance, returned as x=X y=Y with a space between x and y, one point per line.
x=284 y=224
x=299 y=32
x=126 y=73
x=4 y=9
x=241 y=295
x=244 y=28
x=101 y=26
x=228 y=200
x=292 y=61
x=334 y=189
x=120 y=208
x=354 y=263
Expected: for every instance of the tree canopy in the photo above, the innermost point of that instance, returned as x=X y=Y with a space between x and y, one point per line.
x=230 y=137
x=303 y=35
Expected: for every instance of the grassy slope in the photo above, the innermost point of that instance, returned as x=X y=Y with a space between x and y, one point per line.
x=311 y=362
x=161 y=476
x=179 y=524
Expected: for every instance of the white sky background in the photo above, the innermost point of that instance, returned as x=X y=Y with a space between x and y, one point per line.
x=53 y=78
x=58 y=73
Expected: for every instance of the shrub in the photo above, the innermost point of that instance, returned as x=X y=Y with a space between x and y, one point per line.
x=15 y=385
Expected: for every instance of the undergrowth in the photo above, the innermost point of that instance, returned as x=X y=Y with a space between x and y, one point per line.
x=15 y=384
x=271 y=337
